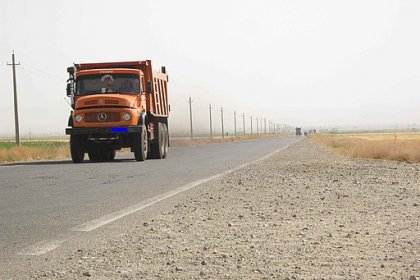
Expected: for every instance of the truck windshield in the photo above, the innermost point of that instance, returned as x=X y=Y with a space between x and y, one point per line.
x=108 y=83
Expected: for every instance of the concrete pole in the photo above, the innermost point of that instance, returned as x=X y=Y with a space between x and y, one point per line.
x=15 y=99
x=258 y=128
x=191 y=120
x=211 y=124
x=223 y=129
x=265 y=125
x=234 y=117
x=251 y=126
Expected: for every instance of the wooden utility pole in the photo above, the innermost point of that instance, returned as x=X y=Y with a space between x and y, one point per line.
x=13 y=64
x=191 y=121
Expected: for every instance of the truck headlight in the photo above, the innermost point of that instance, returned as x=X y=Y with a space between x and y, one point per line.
x=78 y=118
x=126 y=117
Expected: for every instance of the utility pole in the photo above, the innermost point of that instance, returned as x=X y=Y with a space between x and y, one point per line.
x=223 y=130
x=251 y=126
x=257 y=126
x=191 y=121
x=234 y=116
x=243 y=120
x=211 y=125
x=265 y=125
x=13 y=64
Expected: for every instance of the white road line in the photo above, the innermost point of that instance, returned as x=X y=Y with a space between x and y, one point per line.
x=42 y=247
x=46 y=246
x=97 y=223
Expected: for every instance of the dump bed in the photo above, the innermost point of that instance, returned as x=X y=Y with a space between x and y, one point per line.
x=157 y=100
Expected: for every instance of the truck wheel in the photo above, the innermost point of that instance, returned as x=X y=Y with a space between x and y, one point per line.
x=141 y=144
x=76 y=148
x=166 y=137
x=94 y=155
x=109 y=154
x=158 y=146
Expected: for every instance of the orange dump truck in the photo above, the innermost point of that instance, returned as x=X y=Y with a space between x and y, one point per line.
x=117 y=105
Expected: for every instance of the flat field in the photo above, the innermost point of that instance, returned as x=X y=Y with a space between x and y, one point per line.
x=401 y=146
x=33 y=150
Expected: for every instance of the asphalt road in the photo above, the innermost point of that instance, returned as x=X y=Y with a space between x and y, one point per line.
x=41 y=201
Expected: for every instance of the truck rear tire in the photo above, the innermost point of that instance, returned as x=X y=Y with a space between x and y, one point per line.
x=166 y=137
x=93 y=155
x=141 y=144
x=157 y=148
x=76 y=148
x=108 y=154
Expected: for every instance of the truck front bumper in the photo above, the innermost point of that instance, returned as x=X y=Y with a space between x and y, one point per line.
x=103 y=130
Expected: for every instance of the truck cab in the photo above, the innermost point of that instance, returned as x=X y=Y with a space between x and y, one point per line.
x=117 y=105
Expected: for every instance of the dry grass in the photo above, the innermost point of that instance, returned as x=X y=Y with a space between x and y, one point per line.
x=33 y=151
x=59 y=149
x=389 y=146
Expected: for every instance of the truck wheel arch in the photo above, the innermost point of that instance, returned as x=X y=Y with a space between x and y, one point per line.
x=142 y=119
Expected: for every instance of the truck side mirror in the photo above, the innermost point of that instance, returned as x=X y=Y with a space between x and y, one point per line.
x=68 y=89
x=149 y=87
x=70 y=70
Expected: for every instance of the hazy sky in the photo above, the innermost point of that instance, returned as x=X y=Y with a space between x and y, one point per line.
x=307 y=63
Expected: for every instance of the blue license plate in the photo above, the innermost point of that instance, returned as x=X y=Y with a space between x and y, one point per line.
x=119 y=129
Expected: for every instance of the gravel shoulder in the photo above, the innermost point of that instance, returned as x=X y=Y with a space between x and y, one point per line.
x=300 y=214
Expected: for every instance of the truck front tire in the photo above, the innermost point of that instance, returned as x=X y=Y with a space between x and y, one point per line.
x=76 y=148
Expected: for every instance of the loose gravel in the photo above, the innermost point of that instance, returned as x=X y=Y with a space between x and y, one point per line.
x=300 y=214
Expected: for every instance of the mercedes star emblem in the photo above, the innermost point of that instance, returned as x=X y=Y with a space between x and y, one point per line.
x=101 y=117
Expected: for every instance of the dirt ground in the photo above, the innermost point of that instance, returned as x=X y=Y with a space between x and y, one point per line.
x=300 y=214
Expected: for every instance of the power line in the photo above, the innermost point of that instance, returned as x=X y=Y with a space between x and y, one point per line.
x=41 y=72
x=37 y=65
x=38 y=74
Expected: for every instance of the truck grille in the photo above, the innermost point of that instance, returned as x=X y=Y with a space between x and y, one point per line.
x=102 y=117
x=101 y=102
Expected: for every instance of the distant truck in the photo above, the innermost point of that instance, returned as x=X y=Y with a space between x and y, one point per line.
x=117 y=105
x=298 y=131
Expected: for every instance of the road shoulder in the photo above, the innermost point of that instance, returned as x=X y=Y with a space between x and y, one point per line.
x=302 y=213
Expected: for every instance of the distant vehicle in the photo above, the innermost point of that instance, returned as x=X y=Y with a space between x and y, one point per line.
x=298 y=131
x=118 y=105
